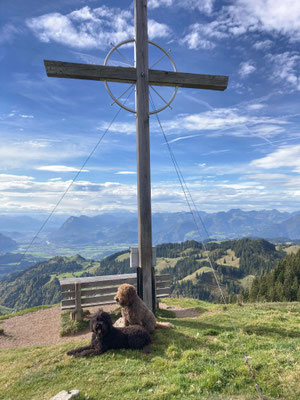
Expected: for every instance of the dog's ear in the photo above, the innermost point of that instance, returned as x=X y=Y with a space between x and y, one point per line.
x=93 y=323
x=130 y=294
x=106 y=318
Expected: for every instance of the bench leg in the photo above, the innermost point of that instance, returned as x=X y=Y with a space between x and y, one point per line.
x=77 y=314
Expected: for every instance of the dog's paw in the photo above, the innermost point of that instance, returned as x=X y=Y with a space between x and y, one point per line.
x=146 y=349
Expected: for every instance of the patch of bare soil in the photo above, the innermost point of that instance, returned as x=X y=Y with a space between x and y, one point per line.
x=181 y=312
x=39 y=328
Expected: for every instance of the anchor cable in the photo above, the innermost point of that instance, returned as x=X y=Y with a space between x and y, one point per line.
x=73 y=180
x=189 y=200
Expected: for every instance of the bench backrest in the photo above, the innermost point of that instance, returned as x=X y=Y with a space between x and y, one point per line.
x=101 y=290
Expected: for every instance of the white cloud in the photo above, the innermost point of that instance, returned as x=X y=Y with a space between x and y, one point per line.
x=268 y=177
x=88 y=28
x=243 y=17
x=234 y=121
x=24 y=194
x=284 y=157
x=182 y=138
x=60 y=168
x=270 y=16
x=59 y=28
x=155 y=29
x=125 y=173
x=263 y=44
x=159 y=3
x=26 y=116
x=255 y=106
x=9 y=182
x=13 y=178
x=202 y=35
x=7 y=33
x=204 y=6
x=286 y=67
x=84 y=196
x=246 y=68
x=22 y=153
x=195 y=40
x=123 y=127
x=215 y=152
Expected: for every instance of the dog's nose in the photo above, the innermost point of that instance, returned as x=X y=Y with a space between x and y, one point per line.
x=117 y=299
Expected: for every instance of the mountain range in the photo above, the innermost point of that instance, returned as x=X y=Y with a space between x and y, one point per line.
x=7 y=244
x=120 y=228
x=177 y=227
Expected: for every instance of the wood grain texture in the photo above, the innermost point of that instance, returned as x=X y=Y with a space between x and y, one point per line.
x=101 y=290
x=143 y=150
x=60 y=69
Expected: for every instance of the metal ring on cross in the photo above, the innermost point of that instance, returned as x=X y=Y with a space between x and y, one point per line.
x=117 y=99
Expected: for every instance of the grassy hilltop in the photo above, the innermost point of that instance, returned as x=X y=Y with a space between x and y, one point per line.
x=199 y=359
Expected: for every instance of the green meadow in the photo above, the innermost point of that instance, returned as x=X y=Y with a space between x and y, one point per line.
x=200 y=359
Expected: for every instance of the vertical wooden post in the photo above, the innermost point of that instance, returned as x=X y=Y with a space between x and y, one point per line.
x=143 y=150
x=78 y=309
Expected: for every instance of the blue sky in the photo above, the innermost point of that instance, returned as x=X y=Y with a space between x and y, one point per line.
x=236 y=149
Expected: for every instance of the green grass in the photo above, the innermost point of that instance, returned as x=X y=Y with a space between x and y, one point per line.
x=230 y=260
x=199 y=359
x=5 y=310
x=69 y=326
x=123 y=257
x=192 y=277
x=292 y=249
x=164 y=262
x=247 y=281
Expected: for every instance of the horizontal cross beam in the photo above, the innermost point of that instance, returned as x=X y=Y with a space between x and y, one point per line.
x=59 y=69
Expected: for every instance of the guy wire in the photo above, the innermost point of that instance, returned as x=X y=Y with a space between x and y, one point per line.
x=73 y=180
x=187 y=193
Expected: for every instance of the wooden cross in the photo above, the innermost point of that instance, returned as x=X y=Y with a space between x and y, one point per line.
x=142 y=76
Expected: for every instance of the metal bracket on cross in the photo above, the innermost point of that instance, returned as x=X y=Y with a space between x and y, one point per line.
x=117 y=99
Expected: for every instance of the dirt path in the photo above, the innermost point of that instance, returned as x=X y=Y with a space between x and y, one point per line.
x=181 y=312
x=41 y=328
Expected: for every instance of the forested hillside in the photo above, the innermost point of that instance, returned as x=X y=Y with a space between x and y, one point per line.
x=13 y=262
x=39 y=284
x=281 y=284
x=236 y=263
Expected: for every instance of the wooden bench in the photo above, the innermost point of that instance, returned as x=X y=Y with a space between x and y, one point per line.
x=78 y=293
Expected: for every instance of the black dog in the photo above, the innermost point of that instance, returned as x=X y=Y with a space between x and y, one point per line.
x=106 y=336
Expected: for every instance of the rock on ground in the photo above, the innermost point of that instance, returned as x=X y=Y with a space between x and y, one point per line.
x=66 y=395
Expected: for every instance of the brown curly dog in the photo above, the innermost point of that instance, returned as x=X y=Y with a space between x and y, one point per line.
x=135 y=311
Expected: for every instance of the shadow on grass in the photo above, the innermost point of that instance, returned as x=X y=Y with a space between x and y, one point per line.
x=200 y=325
x=271 y=331
x=162 y=339
x=250 y=329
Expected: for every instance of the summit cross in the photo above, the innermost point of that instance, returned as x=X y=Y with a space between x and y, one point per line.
x=142 y=77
